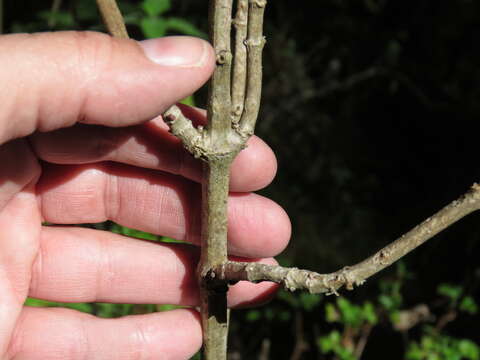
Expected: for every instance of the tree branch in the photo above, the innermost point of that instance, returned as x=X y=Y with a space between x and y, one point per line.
x=255 y=43
x=219 y=100
x=217 y=145
x=192 y=138
x=293 y=278
x=239 y=61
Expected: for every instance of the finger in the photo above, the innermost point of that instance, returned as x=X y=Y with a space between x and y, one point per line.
x=19 y=167
x=94 y=78
x=158 y=203
x=63 y=334
x=150 y=146
x=85 y=265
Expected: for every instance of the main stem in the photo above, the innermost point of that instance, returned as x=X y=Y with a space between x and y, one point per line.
x=213 y=293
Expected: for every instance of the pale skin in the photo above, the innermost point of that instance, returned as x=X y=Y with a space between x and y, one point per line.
x=78 y=145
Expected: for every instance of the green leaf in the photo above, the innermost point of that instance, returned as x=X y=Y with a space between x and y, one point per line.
x=38 y=302
x=331 y=313
x=197 y=356
x=368 y=313
x=351 y=314
x=451 y=291
x=168 y=307
x=183 y=27
x=123 y=230
x=153 y=27
x=394 y=316
x=190 y=101
x=83 y=307
x=61 y=19
x=86 y=10
x=344 y=353
x=329 y=342
x=284 y=316
x=387 y=302
x=155 y=7
x=309 y=301
x=289 y=298
x=468 y=305
x=253 y=315
x=469 y=349
x=414 y=352
x=270 y=314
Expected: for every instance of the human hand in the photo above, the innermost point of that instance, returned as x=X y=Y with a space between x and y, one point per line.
x=76 y=146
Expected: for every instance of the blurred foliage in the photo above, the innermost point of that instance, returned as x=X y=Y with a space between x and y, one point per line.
x=371 y=108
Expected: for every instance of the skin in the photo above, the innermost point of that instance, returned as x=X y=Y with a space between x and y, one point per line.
x=77 y=145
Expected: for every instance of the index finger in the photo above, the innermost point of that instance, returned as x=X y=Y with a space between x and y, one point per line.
x=93 y=78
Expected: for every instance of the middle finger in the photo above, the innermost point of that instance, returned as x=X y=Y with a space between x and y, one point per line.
x=84 y=265
x=150 y=145
x=158 y=203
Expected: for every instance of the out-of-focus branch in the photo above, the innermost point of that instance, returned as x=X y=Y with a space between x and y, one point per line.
x=112 y=18
x=293 y=278
x=52 y=21
x=1 y=16
x=362 y=341
x=300 y=344
x=348 y=83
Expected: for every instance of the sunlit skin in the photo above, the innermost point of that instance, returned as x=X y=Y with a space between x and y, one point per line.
x=78 y=145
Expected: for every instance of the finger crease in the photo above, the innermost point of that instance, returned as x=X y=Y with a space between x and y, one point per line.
x=112 y=197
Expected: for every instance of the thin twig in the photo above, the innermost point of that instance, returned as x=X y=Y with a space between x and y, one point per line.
x=182 y=127
x=1 y=16
x=293 y=278
x=219 y=101
x=362 y=342
x=265 y=349
x=255 y=43
x=112 y=17
x=239 y=61
x=346 y=84
x=300 y=344
x=52 y=21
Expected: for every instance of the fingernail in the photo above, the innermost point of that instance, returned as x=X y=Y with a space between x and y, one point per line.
x=181 y=51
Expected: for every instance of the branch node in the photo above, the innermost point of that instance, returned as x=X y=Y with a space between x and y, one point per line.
x=224 y=57
x=182 y=127
x=290 y=281
x=258 y=42
x=259 y=3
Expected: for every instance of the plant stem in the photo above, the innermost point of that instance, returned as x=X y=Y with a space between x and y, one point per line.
x=112 y=18
x=52 y=21
x=293 y=278
x=1 y=16
x=213 y=294
x=219 y=100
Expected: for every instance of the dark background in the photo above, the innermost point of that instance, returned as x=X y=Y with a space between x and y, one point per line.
x=372 y=109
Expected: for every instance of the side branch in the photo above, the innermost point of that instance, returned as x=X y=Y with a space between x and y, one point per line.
x=255 y=43
x=293 y=278
x=239 y=61
x=182 y=127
